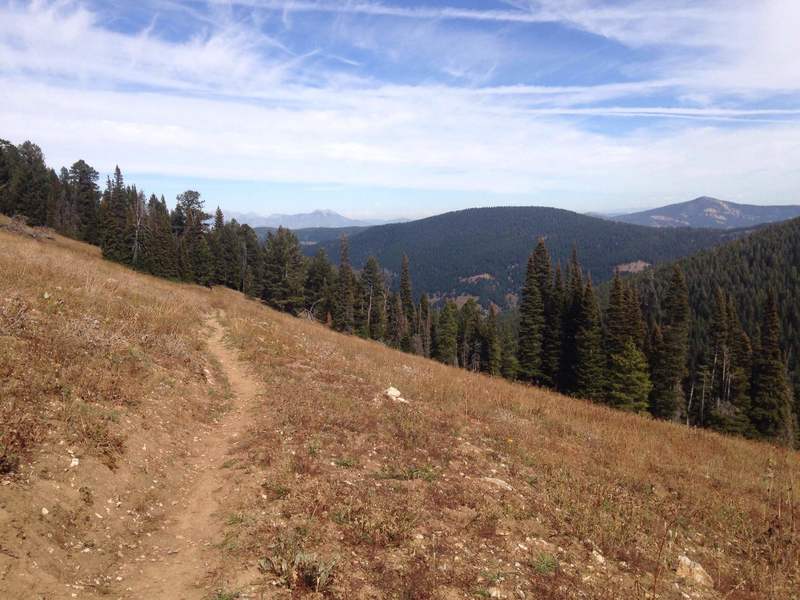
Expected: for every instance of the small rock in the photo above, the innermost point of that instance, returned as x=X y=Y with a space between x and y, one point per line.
x=392 y=393
x=74 y=462
x=45 y=512
x=693 y=572
x=496 y=593
x=499 y=483
x=598 y=558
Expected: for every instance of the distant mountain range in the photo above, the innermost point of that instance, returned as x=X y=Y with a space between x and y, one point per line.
x=482 y=252
x=710 y=212
x=314 y=219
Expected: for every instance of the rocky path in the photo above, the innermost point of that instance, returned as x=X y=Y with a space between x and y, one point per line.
x=179 y=560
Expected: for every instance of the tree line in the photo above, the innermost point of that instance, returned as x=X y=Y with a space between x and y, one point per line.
x=627 y=356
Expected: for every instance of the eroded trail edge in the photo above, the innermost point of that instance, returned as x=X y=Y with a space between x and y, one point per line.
x=181 y=560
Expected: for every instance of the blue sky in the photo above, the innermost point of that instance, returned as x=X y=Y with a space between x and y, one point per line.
x=403 y=109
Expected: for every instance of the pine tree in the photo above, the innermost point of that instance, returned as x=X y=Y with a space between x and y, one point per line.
x=552 y=299
x=469 y=340
x=618 y=330
x=252 y=262
x=590 y=358
x=319 y=280
x=424 y=326
x=86 y=196
x=343 y=307
x=531 y=321
x=771 y=411
x=628 y=379
x=115 y=246
x=215 y=243
x=375 y=292
x=669 y=358
x=396 y=327
x=571 y=315
x=493 y=353
x=447 y=335
x=509 y=366
x=406 y=296
x=284 y=272
x=29 y=185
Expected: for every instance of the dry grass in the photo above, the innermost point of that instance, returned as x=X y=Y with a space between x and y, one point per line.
x=402 y=490
x=80 y=339
x=341 y=493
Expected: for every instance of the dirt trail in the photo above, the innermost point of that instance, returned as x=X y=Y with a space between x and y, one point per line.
x=177 y=560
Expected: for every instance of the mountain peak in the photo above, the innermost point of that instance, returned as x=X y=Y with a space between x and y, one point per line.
x=710 y=212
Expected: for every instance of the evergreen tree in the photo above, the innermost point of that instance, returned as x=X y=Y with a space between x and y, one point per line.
x=86 y=196
x=447 y=334
x=375 y=293
x=493 y=353
x=396 y=327
x=572 y=307
x=29 y=185
x=618 y=329
x=469 y=339
x=318 y=284
x=509 y=366
x=669 y=358
x=343 y=318
x=531 y=321
x=628 y=379
x=406 y=295
x=424 y=326
x=771 y=410
x=590 y=363
x=114 y=242
x=284 y=272
x=551 y=304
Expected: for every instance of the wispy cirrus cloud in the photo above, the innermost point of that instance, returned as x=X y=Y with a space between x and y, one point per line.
x=280 y=91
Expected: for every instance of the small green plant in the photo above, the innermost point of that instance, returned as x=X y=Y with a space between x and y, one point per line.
x=347 y=463
x=236 y=519
x=222 y=595
x=545 y=564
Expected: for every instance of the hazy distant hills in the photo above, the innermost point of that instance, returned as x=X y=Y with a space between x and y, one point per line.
x=710 y=212
x=482 y=252
x=314 y=219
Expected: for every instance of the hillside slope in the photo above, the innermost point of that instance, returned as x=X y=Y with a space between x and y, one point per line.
x=711 y=213
x=747 y=269
x=224 y=448
x=482 y=251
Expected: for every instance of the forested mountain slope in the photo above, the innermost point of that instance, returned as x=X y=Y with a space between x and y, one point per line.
x=311 y=236
x=747 y=270
x=199 y=444
x=483 y=251
x=711 y=213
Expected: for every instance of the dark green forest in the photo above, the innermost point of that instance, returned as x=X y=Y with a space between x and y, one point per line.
x=748 y=271
x=448 y=249
x=705 y=341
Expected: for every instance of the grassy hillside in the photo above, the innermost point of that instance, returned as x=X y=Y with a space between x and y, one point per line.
x=285 y=472
x=482 y=251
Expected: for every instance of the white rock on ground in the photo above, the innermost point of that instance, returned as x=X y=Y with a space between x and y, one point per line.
x=394 y=394
x=499 y=483
x=693 y=572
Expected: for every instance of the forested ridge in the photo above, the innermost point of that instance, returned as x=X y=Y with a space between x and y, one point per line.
x=447 y=250
x=642 y=354
x=747 y=270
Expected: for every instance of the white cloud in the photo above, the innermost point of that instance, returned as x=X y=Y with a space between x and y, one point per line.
x=231 y=104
